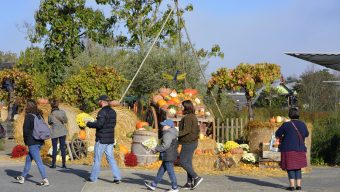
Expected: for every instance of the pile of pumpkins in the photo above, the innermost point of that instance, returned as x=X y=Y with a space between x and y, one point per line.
x=279 y=119
x=170 y=100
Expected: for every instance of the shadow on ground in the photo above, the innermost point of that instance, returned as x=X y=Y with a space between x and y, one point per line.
x=144 y=178
x=13 y=173
x=78 y=172
x=255 y=182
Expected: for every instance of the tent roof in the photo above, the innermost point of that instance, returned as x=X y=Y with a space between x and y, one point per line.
x=329 y=60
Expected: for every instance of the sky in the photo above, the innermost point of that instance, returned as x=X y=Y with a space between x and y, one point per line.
x=248 y=31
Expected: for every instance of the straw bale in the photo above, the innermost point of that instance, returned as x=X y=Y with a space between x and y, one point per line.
x=204 y=144
x=126 y=122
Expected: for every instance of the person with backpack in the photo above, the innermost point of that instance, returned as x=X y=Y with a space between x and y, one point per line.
x=57 y=120
x=168 y=154
x=105 y=129
x=34 y=133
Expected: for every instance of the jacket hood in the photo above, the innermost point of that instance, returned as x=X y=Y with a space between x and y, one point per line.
x=172 y=130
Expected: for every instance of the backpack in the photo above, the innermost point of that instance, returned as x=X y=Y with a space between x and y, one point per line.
x=41 y=131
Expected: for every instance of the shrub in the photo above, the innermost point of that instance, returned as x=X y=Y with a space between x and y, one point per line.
x=82 y=89
x=19 y=151
x=130 y=160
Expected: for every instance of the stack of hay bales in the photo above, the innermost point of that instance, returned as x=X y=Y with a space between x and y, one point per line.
x=126 y=122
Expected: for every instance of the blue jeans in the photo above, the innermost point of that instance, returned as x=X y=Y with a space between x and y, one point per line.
x=62 y=149
x=99 y=149
x=294 y=174
x=169 y=167
x=34 y=154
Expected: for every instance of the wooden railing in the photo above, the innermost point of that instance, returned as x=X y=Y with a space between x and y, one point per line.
x=230 y=129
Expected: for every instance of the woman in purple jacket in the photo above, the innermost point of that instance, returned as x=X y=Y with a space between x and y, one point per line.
x=293 y=150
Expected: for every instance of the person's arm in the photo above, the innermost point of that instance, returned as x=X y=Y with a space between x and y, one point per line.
x=64 y=118
x=26 y=129
x=187 y=126
x=280 y=131
x=99 y=123
x=166 y=142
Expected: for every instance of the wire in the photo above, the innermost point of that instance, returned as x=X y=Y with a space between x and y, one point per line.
x=146 y=56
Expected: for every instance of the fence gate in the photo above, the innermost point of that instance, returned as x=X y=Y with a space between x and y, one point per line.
x=229 y=129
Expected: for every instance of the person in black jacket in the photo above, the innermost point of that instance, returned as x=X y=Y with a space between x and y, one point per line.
x=33 y=144
x=168 y=154
x=104 y=125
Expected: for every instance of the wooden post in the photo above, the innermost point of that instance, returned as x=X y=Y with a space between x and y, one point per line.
x=232 y=129
x=214 y=130
x=223 y=138
x=228 y=130
x=237 y=129
x=241 y=128
x=218 y=131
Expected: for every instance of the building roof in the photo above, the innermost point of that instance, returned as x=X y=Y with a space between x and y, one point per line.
x=6 y=65
x=329 y=60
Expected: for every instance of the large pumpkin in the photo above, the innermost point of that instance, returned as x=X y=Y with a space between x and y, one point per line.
x=165 y=91
x=176 y=100
x=161 y=102
x=171 y=102
x=156 y=98
x=82 y=134
x=190 y=91
x=141 y=124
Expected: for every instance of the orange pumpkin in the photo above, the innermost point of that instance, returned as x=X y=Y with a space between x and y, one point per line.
x=42 y=101
x=161 y=102
x=190 y=91
x=273 y=120
x=123 y=149
x=165 y=91
x=198 y=152
x=165 y=107
x=176 y=100
x=82 y=134
x=141 y=124
x=171 y=102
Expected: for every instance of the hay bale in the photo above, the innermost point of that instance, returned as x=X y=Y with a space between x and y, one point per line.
x=205 y=144
x=71 y=126
x=257 y=132
x=204 y=163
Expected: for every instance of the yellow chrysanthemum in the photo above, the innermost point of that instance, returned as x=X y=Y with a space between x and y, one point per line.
x=82 y=117
x=229 y=145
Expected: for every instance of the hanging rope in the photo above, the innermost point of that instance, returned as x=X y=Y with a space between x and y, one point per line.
x=202 y=72
x=146 y=56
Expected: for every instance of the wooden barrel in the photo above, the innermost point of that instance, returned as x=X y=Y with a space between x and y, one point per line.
x=143 y=156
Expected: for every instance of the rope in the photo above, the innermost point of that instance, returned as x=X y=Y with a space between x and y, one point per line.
x=146 y=56
x=202 y=72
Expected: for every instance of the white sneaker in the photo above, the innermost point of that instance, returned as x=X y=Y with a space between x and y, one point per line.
x=44 y=182
x=173 y=190
x=20 y=179
x=150 y=186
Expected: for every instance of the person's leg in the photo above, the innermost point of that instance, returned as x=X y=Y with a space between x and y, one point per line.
x=37 y=158
x=160 y=174
x=186 y=156
x=298 y=177
x=28 y=164
x=54 y=151
x=98 y=152
x=111 y=160
x=170 y=169
x=291 y=177
x=63 y=150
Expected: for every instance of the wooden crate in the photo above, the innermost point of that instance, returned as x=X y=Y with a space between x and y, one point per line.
x=275 y=156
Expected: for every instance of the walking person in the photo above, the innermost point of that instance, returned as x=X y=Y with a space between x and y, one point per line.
x=188 y=137
x=293 y=150
x=105 y=128
x=57 y=120
x=168 y=154
x=33 y=144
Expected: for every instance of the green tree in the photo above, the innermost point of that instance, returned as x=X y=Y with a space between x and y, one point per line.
x=246 y=77
x=62 y=25
x=7 y=57
x=314 y=94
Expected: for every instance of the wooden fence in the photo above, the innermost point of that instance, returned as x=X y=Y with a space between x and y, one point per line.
x=229 y=129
